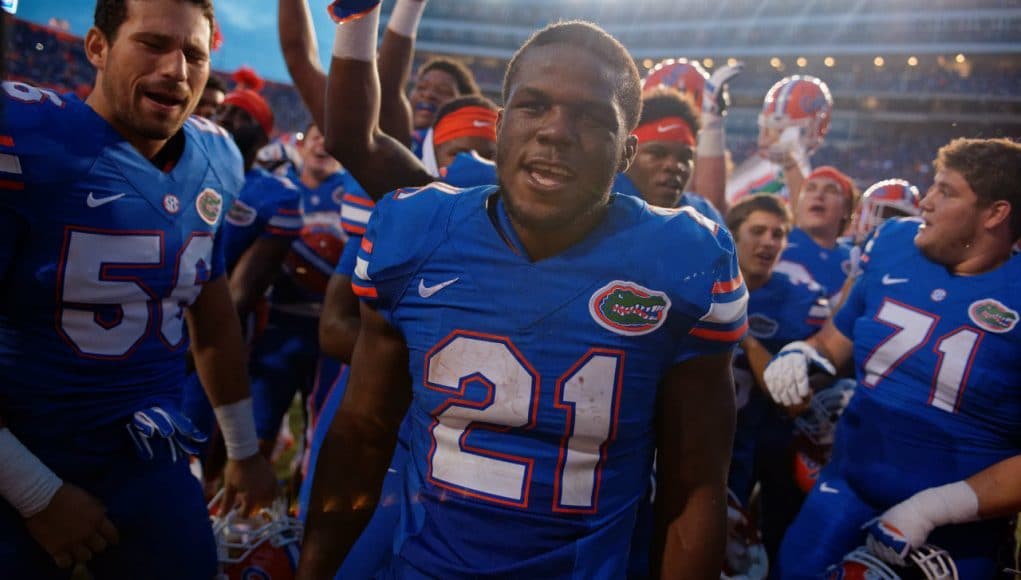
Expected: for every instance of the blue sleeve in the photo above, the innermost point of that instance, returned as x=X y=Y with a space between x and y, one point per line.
x=722 y=302
x=703 y=206
x=852 y=308
x=219 y=265
x=346 y=265
x=281 y=214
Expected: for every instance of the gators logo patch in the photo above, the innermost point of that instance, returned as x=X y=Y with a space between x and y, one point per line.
x=209 y=204
x=992 y=315
x=241 y=214
x=761 y=326
x=626 y=308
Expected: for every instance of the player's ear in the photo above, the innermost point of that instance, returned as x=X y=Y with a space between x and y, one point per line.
x=499 y=119
x=630 y=150
x=96 y=47
x=997 y=213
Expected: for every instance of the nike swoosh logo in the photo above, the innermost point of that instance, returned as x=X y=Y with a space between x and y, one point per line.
x=482 y=123
x=93 y=201
x=666 y=128
x=887 y=280
x=825 y=488
x=427 y=291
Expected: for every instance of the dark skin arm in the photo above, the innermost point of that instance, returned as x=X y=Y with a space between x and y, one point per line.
x=255 y=271
x=379 y=162
x=395 y=59
x=301 y=54
x=695 y=433
x=340 y=319
x=359 y=444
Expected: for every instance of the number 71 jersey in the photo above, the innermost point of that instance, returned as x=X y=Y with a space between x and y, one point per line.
x=101 y=252
x=535 y=383
x=939 y=374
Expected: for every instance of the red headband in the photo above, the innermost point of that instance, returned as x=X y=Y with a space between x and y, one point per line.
x=256 y=106
x=466 y=122
x=665 y=129
x=832 y=173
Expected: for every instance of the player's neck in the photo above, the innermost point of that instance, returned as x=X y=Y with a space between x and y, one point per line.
x=542 y=243
x=753 y=282
x=824 y=237
x=148 y=148
x=982 y=257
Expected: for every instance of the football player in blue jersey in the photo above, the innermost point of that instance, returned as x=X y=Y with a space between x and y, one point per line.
x=543 y=358
x=666 y=154
x=822 y=211
x=779 y=311
x=928 y=449
x=110 y=243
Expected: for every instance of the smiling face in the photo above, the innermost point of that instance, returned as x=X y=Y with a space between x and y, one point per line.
x=433 y=89
x=316 y=162
x=760 y=239
x=661 y=170
x=151 y=74
x=562 y=137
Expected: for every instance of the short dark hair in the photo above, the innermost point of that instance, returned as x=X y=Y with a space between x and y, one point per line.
x=463 y=76
x=663 y=101
x=597 y=41
x=216 y=83
x=992 y=168
x=746 y=206
x=462 y=102
x=110 y=14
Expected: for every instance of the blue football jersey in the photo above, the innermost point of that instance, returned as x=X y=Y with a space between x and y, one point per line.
x=939 y=377
x=107 y=253
x=469 y=170
x=535 y=383
x=623 y=184
x=806 y=262
x=268 y=205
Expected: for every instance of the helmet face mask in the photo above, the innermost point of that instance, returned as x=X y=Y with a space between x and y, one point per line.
x=801 y=104
x=267 y=543
x=927 y=562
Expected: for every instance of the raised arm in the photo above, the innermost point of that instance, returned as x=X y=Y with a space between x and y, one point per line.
x=710 y=179
x=695 y=433
x=359 y=445
x=301 y=54
x=396 y=55
x=377 y=161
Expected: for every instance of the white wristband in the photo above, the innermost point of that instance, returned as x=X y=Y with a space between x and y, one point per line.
x=356 y=39
x=711 y=139
x=25 y=482
x=237 y=423
x=405 y=17
x=953 y=503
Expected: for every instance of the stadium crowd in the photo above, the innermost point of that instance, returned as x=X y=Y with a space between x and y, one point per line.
x=582 y=331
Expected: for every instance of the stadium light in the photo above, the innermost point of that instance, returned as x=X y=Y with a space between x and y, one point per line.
x=647 y=63
x=912 y=61
x=707 y=62
x=775 y=62
x=731 y=61
x=959 y=58
x=802 y=61
x=829 y=61
x=878 y=61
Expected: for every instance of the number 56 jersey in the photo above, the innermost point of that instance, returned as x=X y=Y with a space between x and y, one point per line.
x=100 y=254
x=936 y=355
x=535 y=383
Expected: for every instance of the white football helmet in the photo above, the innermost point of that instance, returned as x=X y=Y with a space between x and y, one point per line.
x=802 y=102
